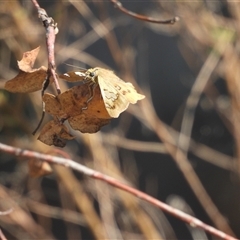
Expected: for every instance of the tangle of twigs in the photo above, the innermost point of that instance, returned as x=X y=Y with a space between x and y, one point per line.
x=194 y=222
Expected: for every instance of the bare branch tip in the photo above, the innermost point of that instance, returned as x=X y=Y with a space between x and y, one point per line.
x=117 y=4
x=176 y=19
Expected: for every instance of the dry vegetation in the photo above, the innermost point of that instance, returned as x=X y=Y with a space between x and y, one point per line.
x=67 y=205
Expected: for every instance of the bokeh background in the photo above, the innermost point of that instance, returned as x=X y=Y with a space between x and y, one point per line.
x=180 y=145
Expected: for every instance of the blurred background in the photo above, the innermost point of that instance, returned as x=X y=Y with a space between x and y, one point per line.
x=180 y=145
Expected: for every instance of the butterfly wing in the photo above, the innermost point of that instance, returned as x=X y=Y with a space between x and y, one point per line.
x=116 y=93
x=129 y=92
x=113 y=101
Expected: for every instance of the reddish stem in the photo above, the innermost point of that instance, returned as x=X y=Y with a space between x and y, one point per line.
x=51 y=31
x=2 y=237
x=118 y=5
x=192 y=221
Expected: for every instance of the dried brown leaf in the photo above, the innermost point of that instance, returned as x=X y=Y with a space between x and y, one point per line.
x=53 y=106
x=54 y=133
x=74 y=102
x=39 y=168
x=28 y=60
x=28 y=79
x=72 y=105
x=26 y=82
x=86 y=124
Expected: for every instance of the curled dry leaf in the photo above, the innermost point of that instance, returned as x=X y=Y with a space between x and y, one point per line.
x=72 y=106
x=28 y=79
x=83 y=99
x=53 y=106
x=74 y=102
x=55 y=133
x=27 y=82
x=39 y=168
x=86 y=124
x=28 y=60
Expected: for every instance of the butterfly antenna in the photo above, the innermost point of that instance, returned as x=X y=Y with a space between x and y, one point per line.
x=70 y=65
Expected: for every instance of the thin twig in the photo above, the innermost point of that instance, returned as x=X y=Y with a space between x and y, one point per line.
x=185 y=166
x=200 y=150
x=194 y=97
x=55 y=212
x=51 y=31
x=44 y=87
x=118 y=5
x=2 y=213
x=141 y=219
x=194 y=222
x=2 y=237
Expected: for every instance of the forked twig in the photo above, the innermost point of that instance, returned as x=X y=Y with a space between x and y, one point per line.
x=195 y=94
x=118 y=5
x=194 y=222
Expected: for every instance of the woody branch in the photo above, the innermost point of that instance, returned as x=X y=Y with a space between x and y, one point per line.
x=51 y=30
x=194 y=222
